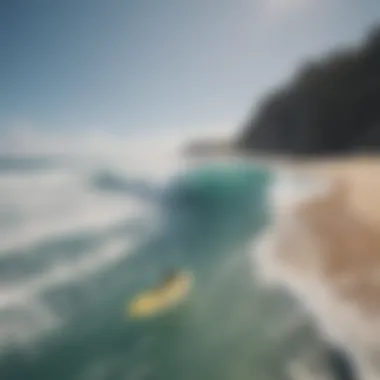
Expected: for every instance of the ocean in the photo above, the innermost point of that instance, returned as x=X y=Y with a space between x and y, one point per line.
x=86 y=223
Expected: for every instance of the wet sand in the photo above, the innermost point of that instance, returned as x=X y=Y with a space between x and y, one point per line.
x=326 y=248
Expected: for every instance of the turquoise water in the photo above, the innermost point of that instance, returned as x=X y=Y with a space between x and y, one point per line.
x=229 y=327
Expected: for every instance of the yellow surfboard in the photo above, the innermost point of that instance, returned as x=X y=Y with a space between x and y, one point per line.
x=158 y=300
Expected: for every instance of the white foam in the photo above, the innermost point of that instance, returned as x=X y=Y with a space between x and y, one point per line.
x=59 y=201
x=46 y=205
x=25 y=317
x=290 y=189
x=21 y=325
x=64 y=272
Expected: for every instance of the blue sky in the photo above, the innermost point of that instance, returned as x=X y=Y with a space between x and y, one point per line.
x=139 y=66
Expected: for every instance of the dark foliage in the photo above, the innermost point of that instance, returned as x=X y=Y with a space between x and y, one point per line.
x=330 y=107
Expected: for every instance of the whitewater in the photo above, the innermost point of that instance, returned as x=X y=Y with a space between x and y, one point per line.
x=84 y=225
